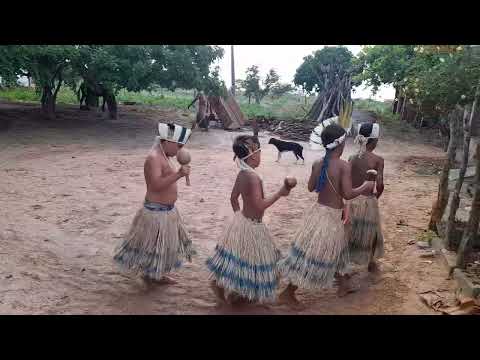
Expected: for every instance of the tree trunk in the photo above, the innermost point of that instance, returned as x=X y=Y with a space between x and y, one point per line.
x=471 y=230
x=48 y=103
x=249 y=99
x=255 y=128
x=395 y=100
x=455 y=202
x=404 y=104
x=111 y=105
x=91 y=99
x=442 y=198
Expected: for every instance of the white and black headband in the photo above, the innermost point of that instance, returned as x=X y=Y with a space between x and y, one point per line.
x=316 y=139
x=374 y=134
x=174 y=133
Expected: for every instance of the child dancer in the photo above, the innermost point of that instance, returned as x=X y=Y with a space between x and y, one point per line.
x=245 y=260
x=320 y=251
x=365 y=233
x=157 y=241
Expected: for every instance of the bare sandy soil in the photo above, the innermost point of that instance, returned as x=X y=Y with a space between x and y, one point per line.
x=70 y=188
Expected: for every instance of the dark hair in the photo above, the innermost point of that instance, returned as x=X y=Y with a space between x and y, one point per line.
x=366 y=130
x=329 y=135
x=242 y=145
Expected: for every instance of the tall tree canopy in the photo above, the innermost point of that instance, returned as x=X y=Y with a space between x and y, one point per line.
x=433 y=77
x=102 y=70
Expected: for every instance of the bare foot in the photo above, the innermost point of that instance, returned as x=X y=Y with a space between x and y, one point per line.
x=287 y=297
x=344 y=291
x=344 y=288
x=163 y=281
x=218 y=291
x=235 y=299
x=373 y=267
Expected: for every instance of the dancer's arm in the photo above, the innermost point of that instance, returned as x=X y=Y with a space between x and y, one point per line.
x=234 y=196
x=346 y=182
x=156 y=179
x=312 y=182
x=254 y=194
x=380 y=186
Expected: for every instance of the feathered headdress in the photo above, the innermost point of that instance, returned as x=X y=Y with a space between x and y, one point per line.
x=316 y=139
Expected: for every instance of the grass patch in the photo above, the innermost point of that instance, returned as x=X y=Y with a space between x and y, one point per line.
x=25 y=94
x=288 y=106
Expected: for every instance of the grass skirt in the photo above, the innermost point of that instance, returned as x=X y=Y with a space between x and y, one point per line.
x=245 y=260
x=156 y=243
x=319 y=250
x=364 y=232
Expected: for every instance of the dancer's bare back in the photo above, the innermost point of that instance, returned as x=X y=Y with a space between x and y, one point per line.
x=329 y=196
x=360 y=166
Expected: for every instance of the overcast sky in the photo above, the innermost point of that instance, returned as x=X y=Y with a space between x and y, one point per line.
x=285 y=59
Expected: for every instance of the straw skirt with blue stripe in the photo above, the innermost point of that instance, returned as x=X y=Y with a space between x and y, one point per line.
x=319 y=250
x=156 y=243
x=245 y=260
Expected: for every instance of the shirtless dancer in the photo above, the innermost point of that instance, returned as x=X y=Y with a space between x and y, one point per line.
x=365 y=233
x=157 y=241
x=244 y=264
x=319 y=253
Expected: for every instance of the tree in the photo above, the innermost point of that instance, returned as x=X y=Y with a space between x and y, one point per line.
x=251 y=84
x=102 y=70
x=270 y=82
x=281 y=89
x=48 y=65
x=105 y=69
x=329 y=73
x=385 y=65
x=10 y=64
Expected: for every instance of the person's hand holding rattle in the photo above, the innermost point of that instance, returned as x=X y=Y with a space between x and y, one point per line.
x=183 y=158
x=371 y=175
x=290 y=182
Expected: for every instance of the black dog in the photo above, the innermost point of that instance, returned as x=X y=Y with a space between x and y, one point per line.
x=285 y=146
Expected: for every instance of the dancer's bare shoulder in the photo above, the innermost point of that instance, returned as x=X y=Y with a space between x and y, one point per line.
x=248 y=179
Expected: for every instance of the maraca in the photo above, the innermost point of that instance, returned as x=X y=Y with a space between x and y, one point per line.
x=290 y=182
x=183 y=158
x=371 y=175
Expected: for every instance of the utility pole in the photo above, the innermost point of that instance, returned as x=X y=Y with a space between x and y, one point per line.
x=233 y=72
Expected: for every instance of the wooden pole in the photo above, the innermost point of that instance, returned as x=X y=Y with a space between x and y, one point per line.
x=233 y=71
x=471 y=230
x=440 y=204
x=455 y=202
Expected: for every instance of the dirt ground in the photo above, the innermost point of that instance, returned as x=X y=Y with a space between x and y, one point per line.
x=70 y=188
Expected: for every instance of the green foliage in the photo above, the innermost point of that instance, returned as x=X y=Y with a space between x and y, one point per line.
x=286 y=106
x=251 y=84
x=107 y=69
x=252 y=88
x=317 y=70
x=432 y=76
x=384 y=64
x=280 y=89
